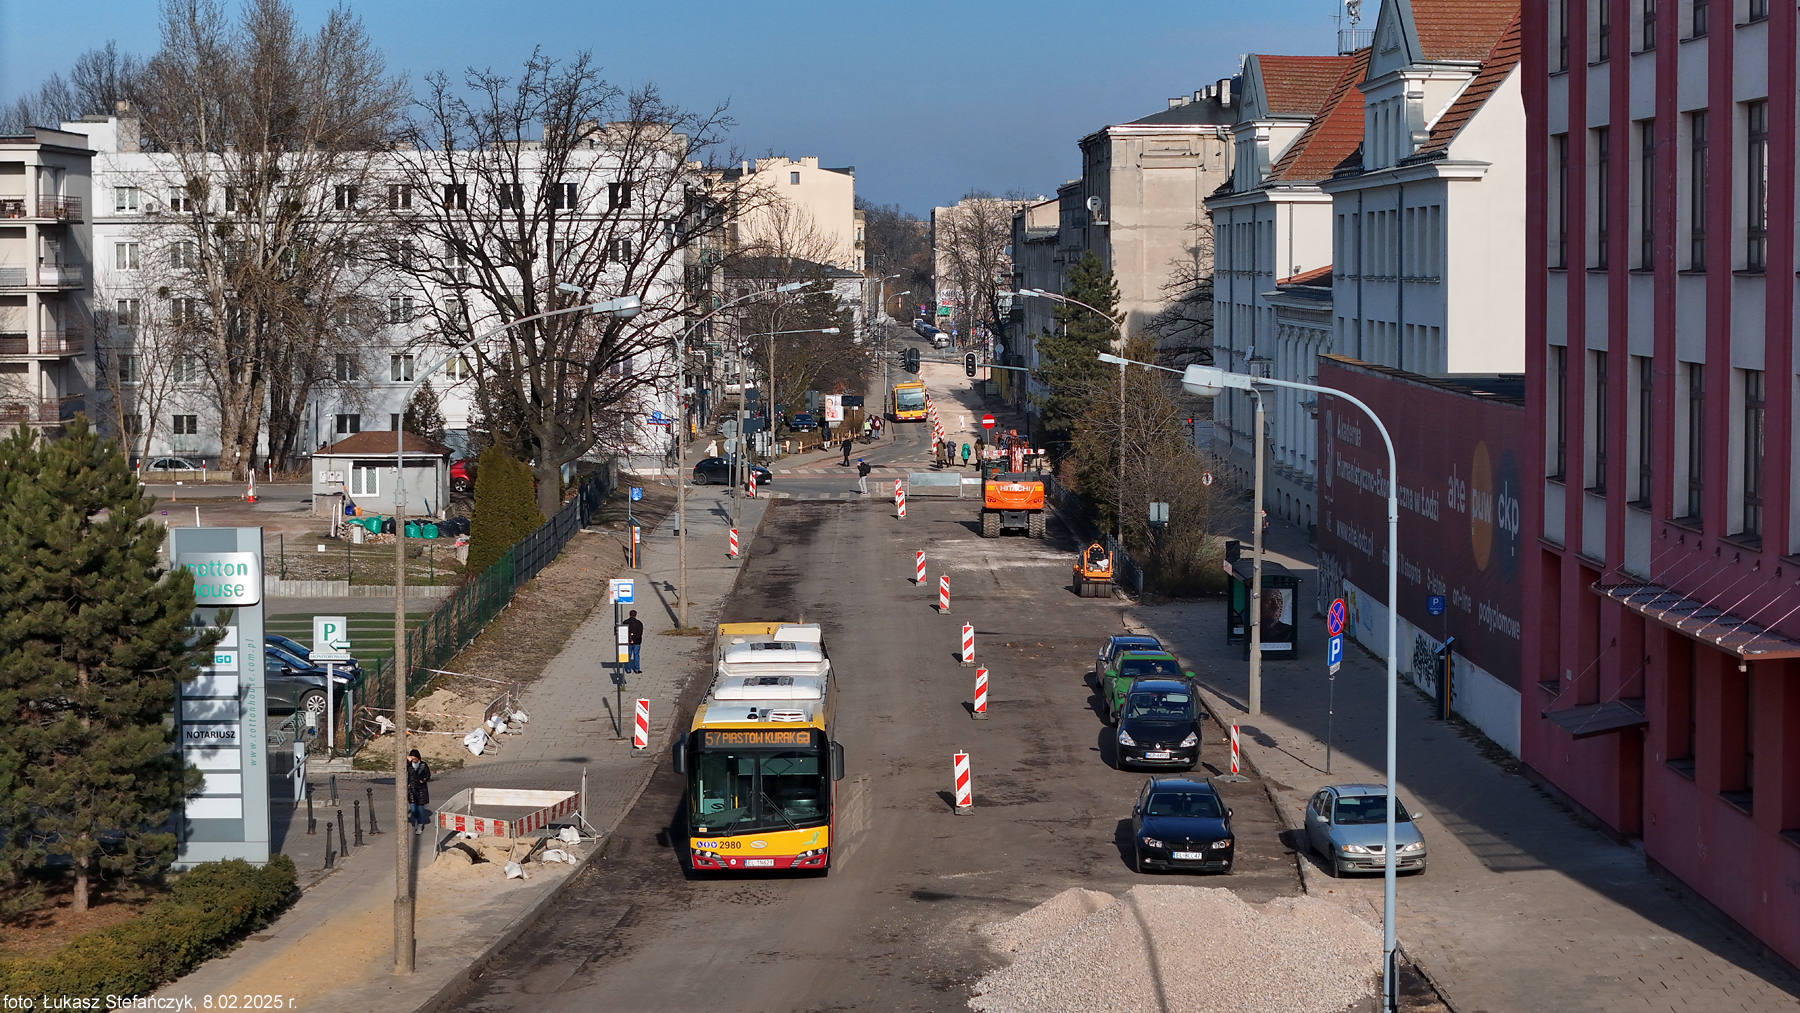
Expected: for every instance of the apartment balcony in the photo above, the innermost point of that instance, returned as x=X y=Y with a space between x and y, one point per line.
x=54 y=277
x=42 y=208
x=40 y=412
x=54 y=343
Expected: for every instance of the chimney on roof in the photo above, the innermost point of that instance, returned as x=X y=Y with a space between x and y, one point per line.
x=129 y=127
x=1224 y=87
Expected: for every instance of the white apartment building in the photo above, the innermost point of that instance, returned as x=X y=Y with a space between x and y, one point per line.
x=46 y=363
x=1402 y=197
x=141 y=214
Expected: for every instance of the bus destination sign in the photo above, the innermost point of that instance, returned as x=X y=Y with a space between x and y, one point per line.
x=726 y=738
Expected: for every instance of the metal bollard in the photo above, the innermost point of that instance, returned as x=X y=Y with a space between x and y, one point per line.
x=312 y=825
x=330 y=859
x=356 y=813
x=373 y=829
x=334 y=798
x=343 y=845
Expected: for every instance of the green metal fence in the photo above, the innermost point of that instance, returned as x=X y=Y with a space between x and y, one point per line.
x=462 y=617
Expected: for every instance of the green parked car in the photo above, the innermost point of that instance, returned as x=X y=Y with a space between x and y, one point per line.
x=1129 y=666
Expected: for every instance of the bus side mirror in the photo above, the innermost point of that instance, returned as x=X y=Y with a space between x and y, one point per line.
x=837 y=761
x=681 y=754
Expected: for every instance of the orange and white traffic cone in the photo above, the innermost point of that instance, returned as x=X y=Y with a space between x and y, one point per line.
x=250 y=493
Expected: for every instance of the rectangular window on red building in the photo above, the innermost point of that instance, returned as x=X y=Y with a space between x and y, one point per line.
x=1697 y=192
x=1596 y=408
x=1647 y=194
x=1751 y=439
x=1696 y=440
x=1560 y=256
x=1602 y=194
x=1756 y=189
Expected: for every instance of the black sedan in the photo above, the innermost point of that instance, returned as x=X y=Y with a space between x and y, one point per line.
x=1159 y=725
x=717 y=471
x=802 y=422
x=1181 y=824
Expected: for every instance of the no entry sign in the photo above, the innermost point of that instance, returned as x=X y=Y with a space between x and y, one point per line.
x=987 y=422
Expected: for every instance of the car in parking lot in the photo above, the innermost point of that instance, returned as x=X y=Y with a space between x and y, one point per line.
x=1116 y=645
x=1159 y=726
x=717 y=471
x=170 y=464
x=802 y=422
x=1346 y=824
x=351 y=668
x=291 y=684
x=1131 y=666
x=1181 y=824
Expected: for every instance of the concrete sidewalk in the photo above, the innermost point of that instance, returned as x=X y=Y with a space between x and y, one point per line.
x=333 y=950
x=1522 y=907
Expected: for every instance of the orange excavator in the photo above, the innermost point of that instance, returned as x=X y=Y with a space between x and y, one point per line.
x=1012 y=489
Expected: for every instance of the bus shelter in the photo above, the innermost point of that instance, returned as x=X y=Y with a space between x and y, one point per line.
x=1276 y=612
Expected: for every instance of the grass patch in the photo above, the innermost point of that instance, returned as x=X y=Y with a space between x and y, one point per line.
x=683 y=631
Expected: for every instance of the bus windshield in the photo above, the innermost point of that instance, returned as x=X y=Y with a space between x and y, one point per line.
x=749 y=790
x=909 y=399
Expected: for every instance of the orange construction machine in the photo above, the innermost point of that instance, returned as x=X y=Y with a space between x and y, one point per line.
x=1012 y=491
x=1093 y=572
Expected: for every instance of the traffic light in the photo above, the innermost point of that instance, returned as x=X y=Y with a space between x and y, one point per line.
x=912 y=360
x=969 y=363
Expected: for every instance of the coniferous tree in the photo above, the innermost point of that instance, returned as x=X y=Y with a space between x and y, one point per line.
x=423 y=417
x=505 y=508
x=93 y=639
x=1067 y=362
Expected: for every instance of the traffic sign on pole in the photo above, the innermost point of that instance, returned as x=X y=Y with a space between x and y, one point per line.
x=1334 y=652
x=987 y=422
x=1434 y=604
x=1334 y=618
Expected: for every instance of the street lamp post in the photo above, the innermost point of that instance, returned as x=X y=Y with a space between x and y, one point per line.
x=1209 y=382
x=623 y=307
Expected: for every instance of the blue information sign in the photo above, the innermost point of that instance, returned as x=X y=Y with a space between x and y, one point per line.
x=1334 y=652
x=1434 y=604
x=636 y=494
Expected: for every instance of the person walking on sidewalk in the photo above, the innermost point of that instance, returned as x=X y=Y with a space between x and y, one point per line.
x=848 y=445
x=634 y=637
x=966 y=451
x=862 y=476
x=418 y=796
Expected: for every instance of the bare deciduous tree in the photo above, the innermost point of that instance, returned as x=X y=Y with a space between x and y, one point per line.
x=972 y=262
x=555 y=177
x=268 y=137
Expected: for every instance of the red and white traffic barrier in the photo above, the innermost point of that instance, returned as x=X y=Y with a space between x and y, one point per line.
x=640 y=734
x=753 y=484
x=965 y=792
x=734 y=545
x=1234 y=747
x=899 y=499
x=944 y=595
x=981 y=694
x=968 y=645
x=919 y=566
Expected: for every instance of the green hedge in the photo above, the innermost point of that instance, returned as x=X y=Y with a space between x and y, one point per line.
x=209 y=908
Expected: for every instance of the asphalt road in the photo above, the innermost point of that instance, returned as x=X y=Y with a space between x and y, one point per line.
x=891 y=927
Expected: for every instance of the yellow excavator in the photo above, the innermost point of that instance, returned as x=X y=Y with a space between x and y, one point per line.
x=1094 y=572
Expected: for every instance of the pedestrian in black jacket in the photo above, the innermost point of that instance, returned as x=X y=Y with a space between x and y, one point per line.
x=862 y=475
x=418 y=796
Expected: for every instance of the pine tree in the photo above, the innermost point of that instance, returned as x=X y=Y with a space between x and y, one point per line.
x=1067 y=362
x=423 y=417
x=93 y=639
x=505 y=508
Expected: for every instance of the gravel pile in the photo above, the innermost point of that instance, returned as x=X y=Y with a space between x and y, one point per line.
x=1180 y=948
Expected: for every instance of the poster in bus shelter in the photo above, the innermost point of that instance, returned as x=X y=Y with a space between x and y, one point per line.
x=1459 y=443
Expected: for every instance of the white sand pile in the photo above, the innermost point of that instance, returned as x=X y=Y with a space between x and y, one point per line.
x=1193 y=949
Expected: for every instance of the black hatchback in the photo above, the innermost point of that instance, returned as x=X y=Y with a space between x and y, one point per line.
x=717 y=471
x=1159 y=725
x=1181 y=824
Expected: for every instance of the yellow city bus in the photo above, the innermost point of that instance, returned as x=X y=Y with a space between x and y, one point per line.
x=761 y=763
x=909 y=401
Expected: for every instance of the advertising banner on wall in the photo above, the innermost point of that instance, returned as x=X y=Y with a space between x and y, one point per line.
x=221 y=720
x=1460 y=446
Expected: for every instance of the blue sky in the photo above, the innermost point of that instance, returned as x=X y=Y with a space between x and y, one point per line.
x=927 y=99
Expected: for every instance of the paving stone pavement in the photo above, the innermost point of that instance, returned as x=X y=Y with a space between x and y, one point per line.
x=570 y=728
x=1523 y=907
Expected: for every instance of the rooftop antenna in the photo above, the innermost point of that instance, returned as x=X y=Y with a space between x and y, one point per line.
x=1351 y=37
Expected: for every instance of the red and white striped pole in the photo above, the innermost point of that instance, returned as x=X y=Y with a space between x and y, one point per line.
x=734 y=546
x=899 y=499
x=1234 y=747
x=919 y=567
x=968 y=646
x=965 y=793
x=944 y=595
x=981 y=694
x=640 y=735
x=753 y=483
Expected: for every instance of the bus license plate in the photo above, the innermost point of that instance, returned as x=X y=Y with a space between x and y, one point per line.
x=1190 y=856
x=759 y=863
x=1156 y=754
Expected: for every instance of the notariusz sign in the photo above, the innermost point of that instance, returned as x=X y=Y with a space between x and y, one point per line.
x=224 y=579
